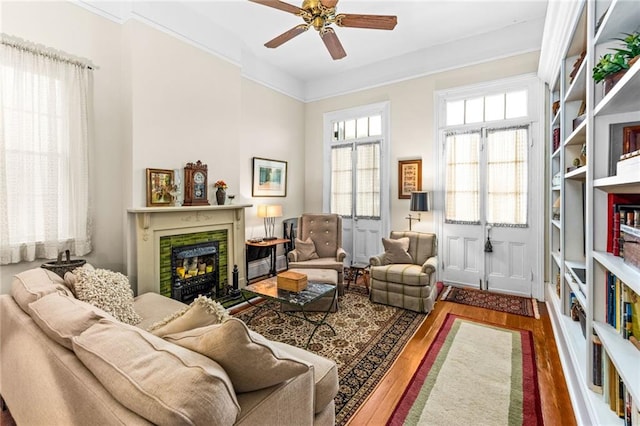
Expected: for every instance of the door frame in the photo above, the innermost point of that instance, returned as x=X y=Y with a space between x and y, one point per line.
x=382 y=108
x=537 y=114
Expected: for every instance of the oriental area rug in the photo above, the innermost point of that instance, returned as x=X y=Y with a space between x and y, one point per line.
x=498 y=302
x=369 y=339
x=473 y=373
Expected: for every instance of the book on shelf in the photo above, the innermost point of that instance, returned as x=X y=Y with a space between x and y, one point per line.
x=596 y=376
x=618 y=203
x=622 y=308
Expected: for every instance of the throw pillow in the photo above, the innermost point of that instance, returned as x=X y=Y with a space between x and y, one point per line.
x=62 y=317
x=251 y=361
x=396 y=251
x=306 y=249
x=201 y=312
x=164 y=383
x=109 y=291
x=70 y=277
x=32 y=284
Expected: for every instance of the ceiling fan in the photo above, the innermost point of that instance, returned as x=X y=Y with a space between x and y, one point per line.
x=321 y=14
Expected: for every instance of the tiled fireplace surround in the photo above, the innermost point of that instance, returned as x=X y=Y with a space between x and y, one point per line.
x=153 y=223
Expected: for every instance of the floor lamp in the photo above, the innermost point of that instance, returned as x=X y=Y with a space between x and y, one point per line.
x=419 y=203
x=269 y=213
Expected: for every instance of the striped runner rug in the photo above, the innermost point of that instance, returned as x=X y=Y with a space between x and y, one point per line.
x=473 y=373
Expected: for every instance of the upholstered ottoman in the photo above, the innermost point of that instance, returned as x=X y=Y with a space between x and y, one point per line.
x=327 y=276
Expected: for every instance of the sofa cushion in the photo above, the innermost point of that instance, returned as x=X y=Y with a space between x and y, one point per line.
x=401 y=273
x=31 y=285
x=325 y=373
x=164 y=383
x=306 y=250
x=154 y=307
x=108 y=290
x=62 y=317
x=396 y=251
x=251 y=361
x=201 y=312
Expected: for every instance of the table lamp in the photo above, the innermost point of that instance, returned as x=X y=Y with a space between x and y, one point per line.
x=269 y=213
x=419 y=203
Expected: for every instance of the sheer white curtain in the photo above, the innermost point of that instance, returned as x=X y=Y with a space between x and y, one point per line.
x=507 y=183
x=341 y=180
x=368 y=180
x=44 y=138
x=462 y=198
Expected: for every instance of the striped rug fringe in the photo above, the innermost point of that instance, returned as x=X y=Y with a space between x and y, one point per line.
x=536 y=312
x=446 y=293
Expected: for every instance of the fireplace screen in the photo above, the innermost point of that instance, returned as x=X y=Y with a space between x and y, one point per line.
x=194 y=271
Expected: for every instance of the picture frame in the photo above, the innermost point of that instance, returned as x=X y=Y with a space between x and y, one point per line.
x=269 y=178
x=409 y=177
x=160 y=185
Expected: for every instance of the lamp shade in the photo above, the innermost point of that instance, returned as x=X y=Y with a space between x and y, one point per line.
x=266 y=210
x=419 y=201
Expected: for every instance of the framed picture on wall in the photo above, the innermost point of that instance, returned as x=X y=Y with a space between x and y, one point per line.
x=160 y=186
x=269 y=178
x=409 y=177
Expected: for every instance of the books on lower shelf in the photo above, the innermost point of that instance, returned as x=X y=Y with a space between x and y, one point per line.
x=608 y=382
x=622 y=308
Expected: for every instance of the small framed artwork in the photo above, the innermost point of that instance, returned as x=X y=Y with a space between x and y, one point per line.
x=160 y=184
x=630 y=139
x=269 y=178
x=409 y=177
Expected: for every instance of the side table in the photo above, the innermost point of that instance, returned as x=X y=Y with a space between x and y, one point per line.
x=358 y=270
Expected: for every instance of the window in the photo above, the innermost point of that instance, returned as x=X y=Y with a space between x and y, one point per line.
x=43 y=153
x=355 y=167
x=487 y=165
x=498 y=106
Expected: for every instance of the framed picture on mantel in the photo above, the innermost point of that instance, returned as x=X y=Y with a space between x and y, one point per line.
x=409 y=177
x=269 y=178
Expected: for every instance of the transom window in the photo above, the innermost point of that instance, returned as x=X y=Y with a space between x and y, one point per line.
x=357 y=128
x=498 y=106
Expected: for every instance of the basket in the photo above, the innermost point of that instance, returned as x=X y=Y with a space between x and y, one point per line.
x=62 y=267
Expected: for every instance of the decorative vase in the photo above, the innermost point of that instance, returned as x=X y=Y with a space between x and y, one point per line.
x=221 y=196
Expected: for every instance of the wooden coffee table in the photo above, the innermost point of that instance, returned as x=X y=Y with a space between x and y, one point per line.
x=268 y=290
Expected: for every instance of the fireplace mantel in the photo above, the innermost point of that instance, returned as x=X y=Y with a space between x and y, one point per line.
x=152 y=223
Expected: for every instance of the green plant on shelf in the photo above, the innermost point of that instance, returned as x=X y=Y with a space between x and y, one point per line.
x=622 y=59
x=632 y=44
x=609 y=64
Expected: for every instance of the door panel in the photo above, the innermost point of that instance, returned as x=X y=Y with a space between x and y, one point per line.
x=511 y=262
x=367 y=240
x=462 y=258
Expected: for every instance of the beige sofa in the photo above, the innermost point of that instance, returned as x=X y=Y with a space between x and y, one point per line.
x=45 y=378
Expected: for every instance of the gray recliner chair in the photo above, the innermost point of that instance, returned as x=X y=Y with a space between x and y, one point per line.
x=325 y=231
x=412 y=283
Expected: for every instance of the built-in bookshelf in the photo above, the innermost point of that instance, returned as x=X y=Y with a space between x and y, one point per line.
x=589 y=190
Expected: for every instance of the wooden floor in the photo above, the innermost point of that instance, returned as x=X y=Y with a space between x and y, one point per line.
x=556 y=405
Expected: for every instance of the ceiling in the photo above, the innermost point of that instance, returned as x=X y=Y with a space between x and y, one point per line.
x=431 y=35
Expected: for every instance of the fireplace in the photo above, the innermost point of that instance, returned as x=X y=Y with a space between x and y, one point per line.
x=158 y=229
x=195 y=270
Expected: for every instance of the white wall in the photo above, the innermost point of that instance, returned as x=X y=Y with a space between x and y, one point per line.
x=160 y=102
x=412 y=127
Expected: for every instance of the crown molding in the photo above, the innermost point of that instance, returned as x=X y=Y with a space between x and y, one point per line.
x=562 y=17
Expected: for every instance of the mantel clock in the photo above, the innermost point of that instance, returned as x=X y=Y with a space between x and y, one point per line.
x=195 y=184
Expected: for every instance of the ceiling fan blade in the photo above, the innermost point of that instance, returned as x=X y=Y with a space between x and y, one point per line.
x=376 y=22
x=329 y=3
x=334 y=46
x=286 y=36
x=280 y=5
